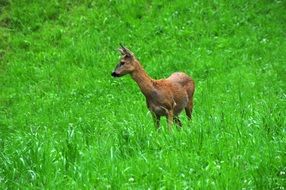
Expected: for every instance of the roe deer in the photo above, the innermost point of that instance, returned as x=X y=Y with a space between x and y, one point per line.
x=164 y=97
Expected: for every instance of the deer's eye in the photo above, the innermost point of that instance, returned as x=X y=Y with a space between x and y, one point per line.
x=122 y=63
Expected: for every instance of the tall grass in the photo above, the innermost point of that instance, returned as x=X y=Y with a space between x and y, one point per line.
x=65 y=123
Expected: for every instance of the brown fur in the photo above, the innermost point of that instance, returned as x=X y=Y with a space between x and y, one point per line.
x=164 y=97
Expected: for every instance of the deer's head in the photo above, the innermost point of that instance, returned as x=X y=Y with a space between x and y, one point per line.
x=126 y=64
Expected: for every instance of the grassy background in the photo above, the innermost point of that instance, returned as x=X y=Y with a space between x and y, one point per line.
x=65 y=123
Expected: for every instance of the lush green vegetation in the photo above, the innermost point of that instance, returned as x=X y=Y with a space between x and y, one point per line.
x=66 y=123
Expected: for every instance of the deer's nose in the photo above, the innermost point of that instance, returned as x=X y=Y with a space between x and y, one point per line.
x=114 y=74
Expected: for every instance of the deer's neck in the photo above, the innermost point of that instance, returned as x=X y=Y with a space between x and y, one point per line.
x=144 y=81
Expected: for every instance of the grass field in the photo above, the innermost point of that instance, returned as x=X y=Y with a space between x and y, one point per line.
x=66 y=123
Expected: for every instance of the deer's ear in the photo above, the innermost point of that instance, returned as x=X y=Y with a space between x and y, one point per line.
x=125 y=52
x=121 y=51
x=128 y=52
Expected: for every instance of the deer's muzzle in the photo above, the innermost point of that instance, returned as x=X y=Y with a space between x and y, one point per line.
x=114 y=74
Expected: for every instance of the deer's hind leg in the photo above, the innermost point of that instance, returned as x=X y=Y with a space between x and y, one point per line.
x=190 y=104
x=178 y=121
x=189 y=109
x=156 y=119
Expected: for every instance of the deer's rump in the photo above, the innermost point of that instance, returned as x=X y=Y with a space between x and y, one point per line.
x=183 y=79
x=186 y=85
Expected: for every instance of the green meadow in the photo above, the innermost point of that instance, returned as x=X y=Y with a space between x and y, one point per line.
x=65 y=123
